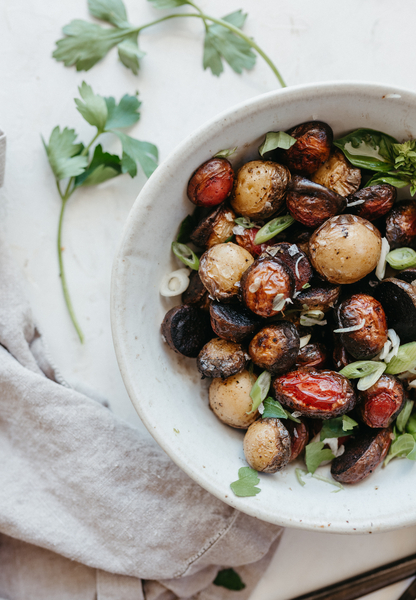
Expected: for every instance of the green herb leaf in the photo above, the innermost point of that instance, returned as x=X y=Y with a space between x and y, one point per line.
x=330 y=481
x=123 y=114
x=368 y=149
x=392 y=179
x=245 y=485
x=244 y=222
x=306 y=286
x=163 y=4
x=134 y=152
x=366 y=382
x=299 y=474
x=225 y=153
x=62 y=154
x=276 y=139
x=93 y=109
x=337 y=427
x=86 y=43
x=404 y=415
x=112 y=11
x=272 y=228
x=411 y=425
x=404 y=360
x=401 y=258
x=315 y=455
x=273 y=409
x=220 y=43
x=186 y=255
x=130 y=53
x=404 y=446
x=102 y=167
x=260 y=390
x=229 y=579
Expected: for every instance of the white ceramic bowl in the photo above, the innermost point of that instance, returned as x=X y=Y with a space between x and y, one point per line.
x=167 y=390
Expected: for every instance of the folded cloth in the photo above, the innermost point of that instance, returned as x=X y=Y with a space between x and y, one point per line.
x=78 y=482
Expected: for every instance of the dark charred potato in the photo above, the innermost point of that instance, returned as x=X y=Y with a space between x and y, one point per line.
x=211 y=183
x=215 y=228
x=186 y=329
x=368 y=341
x=267 y=446
x=232 y=322
x=221 y=358
x=340 y=356
x=221 y=268
x=315 y=394
x=378 y=200
x=299 y=437
x=259 y=189
x=312 y=355
x=312 y=149
x=398 y=299
x=338 y=174
x=362 y=455
x=275 y=347
x=196 y=292
x=295 y=259
x=312 y=204
x=230 y=400
x=381 y=403
x=265 y=285
x=345 y=249
x=408 y=275
x=320 y=296
x=246 y=241
x=401 y=225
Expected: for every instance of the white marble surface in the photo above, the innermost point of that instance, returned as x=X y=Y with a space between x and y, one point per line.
x=309 y=41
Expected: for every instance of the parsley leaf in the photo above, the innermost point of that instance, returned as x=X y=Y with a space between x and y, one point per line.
x=63 y=154
x=315 y=455
x=220 y=43
x=229 y=579
x=86 y=43
x=276 y=139
x=404 y=446
x=273 y=409
x=162 y=4
x=102 y=167
x=112 y=11
x=93 y=109
x=123 y=114
x=338 y=427
x=130 y=53
x=245 y=485
x=135 y=151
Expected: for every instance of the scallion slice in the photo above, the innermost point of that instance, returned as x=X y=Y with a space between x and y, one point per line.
x=401 y=258
x=272 y=228
x=244 y=222
x=366 y=382
x=186 y=255
x=361 y=368
x=404 y=415
x=404 y=360
x=260 y=390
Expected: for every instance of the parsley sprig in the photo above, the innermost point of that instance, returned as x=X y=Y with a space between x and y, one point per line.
x=73 y=167
x=87 y=43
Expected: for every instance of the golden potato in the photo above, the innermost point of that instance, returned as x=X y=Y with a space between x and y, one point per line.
x=221 y=268
x=230 y=400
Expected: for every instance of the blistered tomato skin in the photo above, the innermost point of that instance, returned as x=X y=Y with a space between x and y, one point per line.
x=315 y=394
x=312 y=149
x=262 y=282
x=211 y=183
x=381 y=403
x=367 y=342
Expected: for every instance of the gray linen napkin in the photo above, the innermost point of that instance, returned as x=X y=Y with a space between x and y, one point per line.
x=79 y=484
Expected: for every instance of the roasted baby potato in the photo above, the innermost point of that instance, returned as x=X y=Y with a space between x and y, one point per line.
x=275 y=347
x=186 y=329
x=380 y=404
x=267 y=445
x=338 y=174
x=221 y=358
x=320 y=296
x=246 y=241
x=345 y=249
x=259 y=189
x=215 y=228
x=364 y=311
x=312 y=355
x=295 y=259
x=299 y=436
x=312 y=149
x=401 y=224
x=266 y=286
x=196 y=292
x=230 y=400
x=315 y=394
x=312 y=204
x=211 y=183
x=232 y=322
x=362 y=455
x=398 y=299
x=221 y=268
x=378 y=200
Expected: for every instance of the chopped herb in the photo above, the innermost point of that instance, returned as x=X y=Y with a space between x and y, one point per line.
x=229 y=239
x=272 y=228
x=306 y=286
x=404 y=446
x=315 y=454
x=225 y=153
x=244 y=222
x=404 y=415
x=273 y=409
x=337 y=427
x=245 y=485
x=186 y=255
x=404 y=360
x=229 y=579
x=260 y=390
x=299 y=474
x=348 y=424
x=276 y=139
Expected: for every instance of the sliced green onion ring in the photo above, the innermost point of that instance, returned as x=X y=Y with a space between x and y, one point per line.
x=361 y=368
x=366 y=382
x=186 y=255
x=404 y=360
x=272 y=228
x=401 y=258
x=244 y=222
x=260 y=390
x=404 y=415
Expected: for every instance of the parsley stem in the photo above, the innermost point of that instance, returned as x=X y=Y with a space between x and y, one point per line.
x=228 y=26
